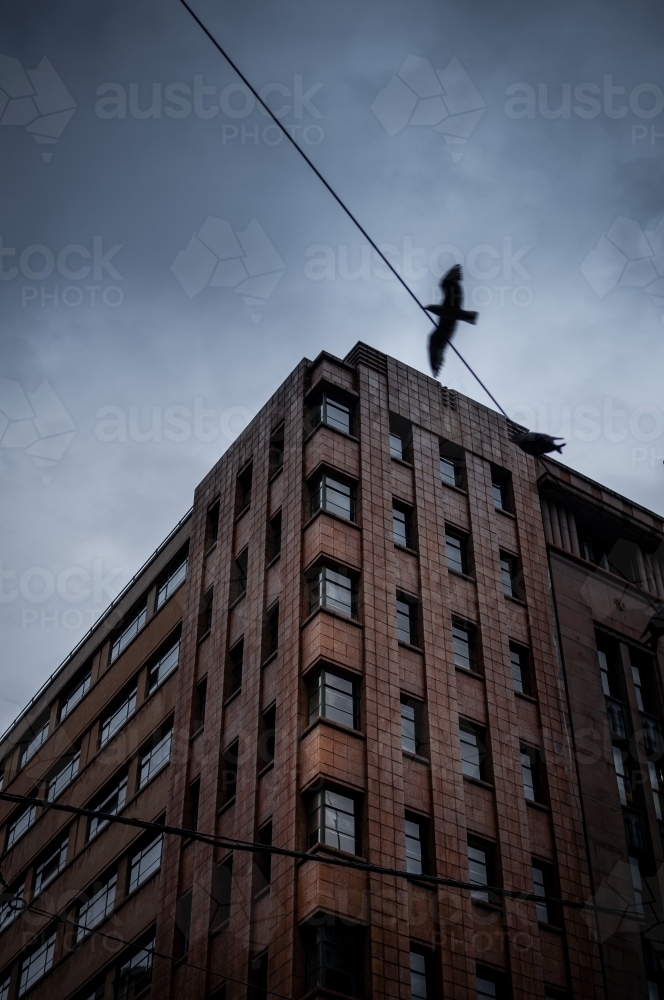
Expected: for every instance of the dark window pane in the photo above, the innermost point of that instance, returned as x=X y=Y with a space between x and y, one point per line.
x=415 y=846
x=396 y=446
x=333 y=697
x=463 y=639
x=520 y=672
x=478 y=871
x=333 y=589
x=406 y=621
x=418 y=976
x=411 y=726
x=473 y=755
x=236 y=657
x=334 y=496
x=457 y=553
x=332 y=820
x=401 y=527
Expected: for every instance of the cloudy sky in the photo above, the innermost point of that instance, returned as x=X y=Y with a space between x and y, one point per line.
x=166 y=260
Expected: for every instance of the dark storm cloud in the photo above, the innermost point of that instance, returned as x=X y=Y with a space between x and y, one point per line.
x=180 y=364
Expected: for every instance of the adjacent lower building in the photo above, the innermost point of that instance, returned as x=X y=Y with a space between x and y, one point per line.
x=384 y=637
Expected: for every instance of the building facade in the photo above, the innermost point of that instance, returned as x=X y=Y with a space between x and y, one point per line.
x=383 y=637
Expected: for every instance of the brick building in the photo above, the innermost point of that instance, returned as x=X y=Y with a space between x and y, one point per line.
x=381 y=634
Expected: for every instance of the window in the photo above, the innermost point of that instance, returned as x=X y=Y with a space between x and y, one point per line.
x=19 y=826
x=411 y=726
x=543 y=886
x=263 y=859
x=457 y=552
x=333 y=697
x=134 y=974
x=481 y=870
x=243 y=495
x=274 y=538
x=271 y=631
x=171 y=583
x=276 y=456
x=402 y=525
x=38 y=736
x=487 y=986
x=622 y=776
x=112 y=803
x=182 y=925
x=332 y=821
x=464 y=641
x=4 y=989
x=221 y=894
x=416 y=845
x=155 y=758
x=36 y=964
x=144 y=864
x=401 y=435
x=63 y=777
x=656 y=777
x=212 y=525
x=333 y=958
x=229 y=762
x=473 y=750
x=334 y=589
x=333 y=495
x=607 y=657
x=500 y=489
x=406 y=620
x=266 y=740
x=111 y=723
x=452 y=465
x=258 y=978
x=235 y=658
x=50 y=866
x=239 y=576
x=531 y=774
x=192 y=804
x=198 y=708
x=420 y=986
x=520 y=661
x=127 y=634
x=634 y=831
x=510 y=576
x=74 y=694
x=163 y=668
x=637 y=885
x=12 y=902
x=96 y=907
x=205 y=615
x=330 y=410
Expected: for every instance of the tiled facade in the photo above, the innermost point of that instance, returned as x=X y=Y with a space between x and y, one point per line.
x=533 y=789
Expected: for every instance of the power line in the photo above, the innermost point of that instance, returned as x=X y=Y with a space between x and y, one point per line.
x=329 y=187
x=230 y=843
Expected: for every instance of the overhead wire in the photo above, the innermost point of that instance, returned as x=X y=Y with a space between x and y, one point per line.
x=331 y=190
x=232 y=844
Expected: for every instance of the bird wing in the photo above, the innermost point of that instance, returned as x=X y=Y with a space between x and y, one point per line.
x=452 y=292
x=438 y=341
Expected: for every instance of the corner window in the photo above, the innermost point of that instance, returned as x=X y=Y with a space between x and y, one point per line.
x=50 y=866
x=520 y=662
x=75 y=693
x=407 y=630
x=511 y=576
x=20 y=825
x=412 y=737
x=112 y=803
x=464 y=640
x=134 y=974
x=143 y=864
x=128 y=633
x=99 y=903
x=416 y=844
x=334 y=957
x=473 y=750
x=334 y=589
x=456 y=546
x=332 y=411
x=332 y=820
x=155 y=757
x=38 y=735
x=333 y=697
x=452 y=465
x=402 y=525
x=334 y=495
x=36 y=964
x=171 y=583
x=163 y=668
x=67 y=771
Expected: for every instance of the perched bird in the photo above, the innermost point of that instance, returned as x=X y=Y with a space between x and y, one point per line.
x=655 y=627
x=449 y=313
x=535 y=443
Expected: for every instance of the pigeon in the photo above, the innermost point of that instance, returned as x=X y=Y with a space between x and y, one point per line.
x=655 y=627
x=449 y=313
x=535 y=443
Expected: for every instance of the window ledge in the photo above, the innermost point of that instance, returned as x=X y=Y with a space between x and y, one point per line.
x=480 y=782
x=507 y=513
x=410 y=645
x=259 y=895
x=194 y=736
x=484 y=904
x=237 y=600
x=540 y=806
x=220 y=928
x=232 y=697
x=333 y=614
x=550 y=927
x=470 y=673
x=210 y=549
x=462 y=576
x=269 y=659
x=205 y=636
x=323 y=720
x=335 y=517
x=264 y=770
x=405 y=548
x=456 y=489
x=274 y=560
x=242 y=513
x=401 y=461
x=277 y=473
x=226 y=806
x=515 y=600
x=334 y=851
x=335 y=430
x=417 y=757
x=525 y=697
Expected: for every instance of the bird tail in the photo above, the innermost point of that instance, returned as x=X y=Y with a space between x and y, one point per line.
x=468 y=317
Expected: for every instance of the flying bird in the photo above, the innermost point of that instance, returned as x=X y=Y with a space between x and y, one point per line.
x=535 y=443
x=449 y=312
